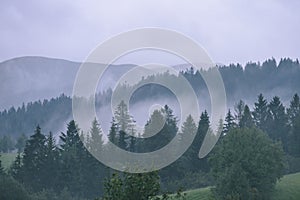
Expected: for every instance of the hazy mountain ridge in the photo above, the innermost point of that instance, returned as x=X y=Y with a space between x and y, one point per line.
x=32 y=78
x=47 y=78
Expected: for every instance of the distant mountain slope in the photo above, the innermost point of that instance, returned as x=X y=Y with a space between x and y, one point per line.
x=35 y=78
x=32 y=78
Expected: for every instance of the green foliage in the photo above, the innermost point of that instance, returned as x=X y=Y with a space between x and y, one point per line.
x=191 y=180
x=132 y=186
x=246 y=118
x=246 y=165
x=11 y=189
x=287 y=188
x=16 y=167
x=229 y=123
x=277 y=121
x=33 y=171
x=260 y=113
x=95 y=142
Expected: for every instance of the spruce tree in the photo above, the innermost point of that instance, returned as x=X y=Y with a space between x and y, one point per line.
x=277 y=121
x=260 y=113
x=15 y=169
x=72 y=158
x=294 y=110
x=294 y=122
x=51 y=162
x=95 y=141
x=123 y=118
x=112 y=136
x=229 y=123
x=203 y=126
x=246 y=119
x=34 y=160
x=239 y=110
x=125 y=124
x=186 y=161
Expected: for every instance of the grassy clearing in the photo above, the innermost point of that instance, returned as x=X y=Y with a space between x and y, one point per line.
x=200 y=194
x=288 y=188
x=7 y=159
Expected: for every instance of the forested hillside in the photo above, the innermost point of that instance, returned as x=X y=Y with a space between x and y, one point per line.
x=270 y=78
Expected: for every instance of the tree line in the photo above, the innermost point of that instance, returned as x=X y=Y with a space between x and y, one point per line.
x=254 y=78
x=259 y=137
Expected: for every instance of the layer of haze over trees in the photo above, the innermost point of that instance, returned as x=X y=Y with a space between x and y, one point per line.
x=259 y=144
x=270 y=78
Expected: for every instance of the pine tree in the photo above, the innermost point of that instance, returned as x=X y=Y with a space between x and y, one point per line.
x=277 y=121
x=294 y=110
x=112 y=136
x=123 y=118
x=132 y=141
x=186 y=161
x=122 y=140
x=293 y=113
x=125 y=124
x=71 y=138
x=260 y=113
x=15 y=169
x=51 y=162
x=294 y=138
x=162 y=126
x=203 y=126
x=33 y=160
x=229 y=123
x=246 y=119
x=239 y=110
x=96 y=142
x=72 y=157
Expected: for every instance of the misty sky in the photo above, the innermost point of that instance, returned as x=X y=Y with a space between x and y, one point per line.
x=230 y=30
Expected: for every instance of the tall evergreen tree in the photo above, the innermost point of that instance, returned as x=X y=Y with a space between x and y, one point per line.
x=294 y=110
x=96 y=141
x=15 y=169
x=51 y=162
x=203 y=126
x=125 y=123
x=293 y=113
x=186 y=160
x=260 y=113
x=123 y=118
x=112 y=136
x=294 y=138
x=246 y=119
x=277 y=121
x=239 y=110
x=80 y=172
x=33 y=160
x=229 y=123
x=72 y=158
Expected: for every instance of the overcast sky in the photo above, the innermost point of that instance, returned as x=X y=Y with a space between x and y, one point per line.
x=230 y=30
